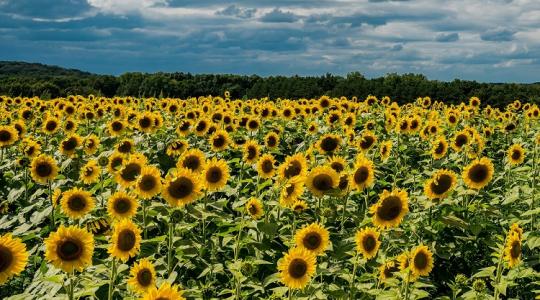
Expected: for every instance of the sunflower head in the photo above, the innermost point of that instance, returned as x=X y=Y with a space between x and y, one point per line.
x=251 y=151
x=130 y=171
x=291 y=190
x=142 y=276
x=363 y=174
x=193 y=159
x=165 y=292
x=328 y=143
x=367 y=140
x=313 y=237
x=322 y=180
x=148 y=183
x=295 y=165
x=390 y=208
x=125 y=240
x=215 y=174
x=421 y=261
x=254 y=208
x=90 y=172
x=70 y=248
x=516 y=154
x=296 y=268
x=13 y=257
x=512 y=250
x=440 y=184
x=299 y=206
x=43 y=169
x=121 y=205
x=439 y=148
x=219 y=140
x=8 y=136
x=181 y=187
x=367 y=242
x=478 y=173
x=77 y=203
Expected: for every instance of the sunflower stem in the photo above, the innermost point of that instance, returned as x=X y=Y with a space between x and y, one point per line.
x=205 y=208
x=407 y=282
x=355 y=266
x=145 y=234
x=170 y=244
x=290 y=293
x=343 y=213
x=112 y=279
x=499 y=273
x=49 y=184
x=71 y=287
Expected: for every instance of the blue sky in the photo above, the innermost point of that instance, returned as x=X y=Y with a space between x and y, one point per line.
x=484 y=40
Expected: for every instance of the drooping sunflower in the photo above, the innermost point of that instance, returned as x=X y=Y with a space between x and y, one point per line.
x=70 y=144
x=142 y=276
x=8 y=136
x=296 y=268
x=390 y=208
x=295 y=165
x=363 y=174
x=215 y=174
x=13 y=257
x=367 y=242
x=125 y=240
x=43 y=168
x=193 y=159
x=251 y=151
x=313 y=237
x=148 y=183
x=265 y=166
x=165 y=292
x=322 y=180
x=90 y=172
x=328 y=143
x=515 y=154
x=387 y=270
x=512 y=250
x=440 y=184
x=385 y=150
x=219 y=140
x=254 y=208
x=130 y=171
x=299 y=206
x=181 y=187
x=478 y=173
x=439 y=147
x=291 y=190
x=70 y=248
x=122 y=205
x=76 y=203
x=421 y=262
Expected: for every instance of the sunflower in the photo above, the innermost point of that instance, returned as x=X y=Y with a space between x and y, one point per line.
x=50 y=125
x=390 y=208
x=219 y=140
x=125 y=240
x=201 y=127
x=142 y=276
x=181 y=187
x=254 y=208
x=148 y=183
x=363 y=174
x=177 y=147
x=91 y=144
x=387 y=270
x=43 y=169
x=165 y=292
x=512 y=250
x=295 y=165
x=290 y=192
x=265 y=166
x=116 y=127
x=478 y=173
x=321 y=180
x=125 y=146
x=367 y=242
x=8 y=136
x=115 y=162
x=30 y=148
x=440 y=184
x=385 y=150
x=13 y=257
x=121 y=205
x=516 y=154
x=76 y=203
x=313 y=238
x=253 y=125
x=421 y=262
x=461 y=139
x=130 y=171
x=338 y=163
x=251 y=151
x=70 y=248
x=439 y=148
x=367 y=140
x=296 y=268
x=90 y=172
x=70 y=144
x=328 y=143
x=193 y=159
x=299 y=206
x=215 y=174
x=145 y=122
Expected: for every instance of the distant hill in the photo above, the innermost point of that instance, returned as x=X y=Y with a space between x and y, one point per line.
x=18 y=68
x=45 y=81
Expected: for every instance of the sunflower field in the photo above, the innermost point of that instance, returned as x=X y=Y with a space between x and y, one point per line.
x=220 y=198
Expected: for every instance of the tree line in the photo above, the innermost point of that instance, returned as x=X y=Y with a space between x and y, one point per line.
x=28 y=80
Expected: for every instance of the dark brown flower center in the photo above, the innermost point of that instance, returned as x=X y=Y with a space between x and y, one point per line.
x=6 y=258
x=76 y=203
x=251 y=152
x=144 y=277
x=298 y=268
x=218 y=141
x=329 y=144
x=515 y=250
x=369 y=242
x=131 y=171
x=478 y=173
x=181 y=187
x=312 y=240
x=440 y=148
x=122 y=205
x=148 y=182
x=126 y=240
x=390 y=208
x=420 y=260
x=5 y=136
x=125 y=147
x=70 y=144
x=361 y=175
x=253 y=210
x=337 y=166
x=516 y=154
x=44 y=169
x=69 y=249
x=117 y=126
x=145 y=122
x=267 y=166
x=214 y=175
x=191 y=162
x=323 y=182
x=51 y=125
x=441 y=185
x=367 y=142
x=293 y=169
x=461 y=140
